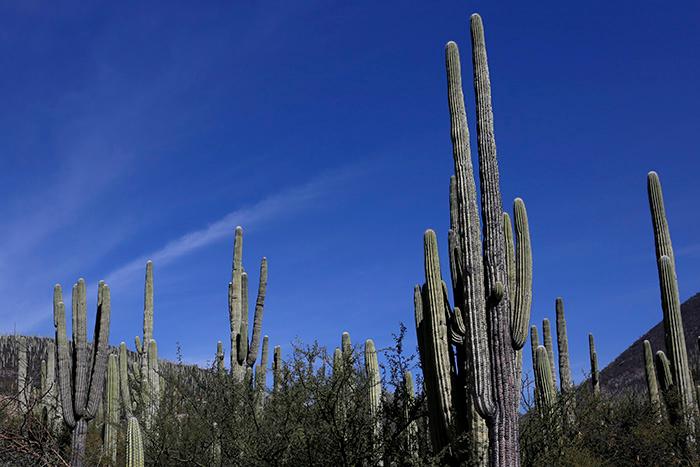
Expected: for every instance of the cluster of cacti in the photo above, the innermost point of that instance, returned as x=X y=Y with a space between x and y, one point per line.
x=491 y=282
x=244 y=351
x=672 y=371
x=80 y=375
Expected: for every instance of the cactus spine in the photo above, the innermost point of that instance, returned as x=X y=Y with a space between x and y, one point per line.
x=670 y=303
x=134 y=444
x=109 y=441
x=81 y=386
x=650 y=373
x=595 y=375
x=244 y=352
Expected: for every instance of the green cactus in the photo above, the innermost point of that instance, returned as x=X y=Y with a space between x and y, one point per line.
x=412 y=427
x=493 y=318
x=277 y=369
x=23 y=383
x=374 y=387
x=546 y=393
x=670 y=303
x=220 y=357
x=664 y=372
x=81 y=377
x=595 y=375
x=244 y=352
x=547 y=337
x=134 y=444
x=109 y=435
x=650 y=373
x=124 y=387
x=565 y=382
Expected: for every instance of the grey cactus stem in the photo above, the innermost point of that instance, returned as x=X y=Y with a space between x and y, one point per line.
x=595 y=376
x=563 y=349
x=412 y=427
x=545 y=390
x=220 y=357
x=547 y=337
x=663 y=372
x=277 y=368
x=124 y=389
x=109 y=442
x=434 y=330
x=148 y=305
x=235 y=305
x=374 y=387
x=259 y=310
x=23 y=385
x=49 y=389
x=82 y=394
x=153 y=379
x=134 y=444
x=650 y=373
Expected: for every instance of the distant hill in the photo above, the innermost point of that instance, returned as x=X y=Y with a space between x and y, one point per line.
x=627 y=370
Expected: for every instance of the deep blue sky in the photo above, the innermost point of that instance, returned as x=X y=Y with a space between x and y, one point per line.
x=132 y=131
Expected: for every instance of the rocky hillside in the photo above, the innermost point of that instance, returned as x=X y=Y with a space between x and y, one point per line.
x=627 y=370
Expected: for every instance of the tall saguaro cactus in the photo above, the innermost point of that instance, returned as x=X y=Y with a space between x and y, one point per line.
x=492 y=298
x=563 y=349
x=243 y=351
x=670 y=304
x=595 y=375
x=81 y=376
x=374 y=387
x=134 y=444
x=109 y=436
x=545 y=392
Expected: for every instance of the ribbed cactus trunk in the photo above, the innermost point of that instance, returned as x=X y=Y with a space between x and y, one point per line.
x=23 y=384
x=411 y=437
x=244 y=351
x=111 y=426
x=124 y=389
x=545 y=392
x=670 y=303
x=277 y=369
x=491 y=280
x=81 y=376
x=650 y=373
x=374 y=394
x=134 y=444
x=565 y=381
x=595 y=375
x=49 y=390
x=220 y=365
x=547 y=338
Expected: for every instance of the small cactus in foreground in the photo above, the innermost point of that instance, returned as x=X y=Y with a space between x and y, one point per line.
x=650 y=373
x=134 y=444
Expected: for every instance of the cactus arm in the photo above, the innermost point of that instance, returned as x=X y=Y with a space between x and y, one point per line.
x=100 y=351
x=80 y=351
x=563 y=348
x=64 y=358
x=546 y=392
x=663 y=372
x=534 y=341
x=259 y=310
x=547 y=337
x=244 y=298
x=510 y=261
x=662 y=234
x=521 y=294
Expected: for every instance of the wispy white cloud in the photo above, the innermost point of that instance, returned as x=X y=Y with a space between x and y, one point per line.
x=252 y=216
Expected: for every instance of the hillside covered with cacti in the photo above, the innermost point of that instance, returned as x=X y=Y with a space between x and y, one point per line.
x=451 y=389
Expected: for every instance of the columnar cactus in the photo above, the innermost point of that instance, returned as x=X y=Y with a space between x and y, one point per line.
x=81 y=377
x=150 y=389
x=374 y=388
x=277 y=369
x=412 y=427
x=124 y=389
x=487 y=330
x=670 y=303
x=595 y=375
x=243 y=351
x=23 y=384
x=546 y=393
x=261 y=375
x=50 y=400
x=111 y=426
x=134 y=444
x=664 y=372
x=565 y=381
x=547 y=337
x=220 y=357
x=650 y=373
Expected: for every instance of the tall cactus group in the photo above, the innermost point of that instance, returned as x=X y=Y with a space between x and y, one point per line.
x=80 y=375
x=244 y=351
x=491 y=282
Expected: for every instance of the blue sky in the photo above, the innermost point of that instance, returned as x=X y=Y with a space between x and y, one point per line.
x=136 y=131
